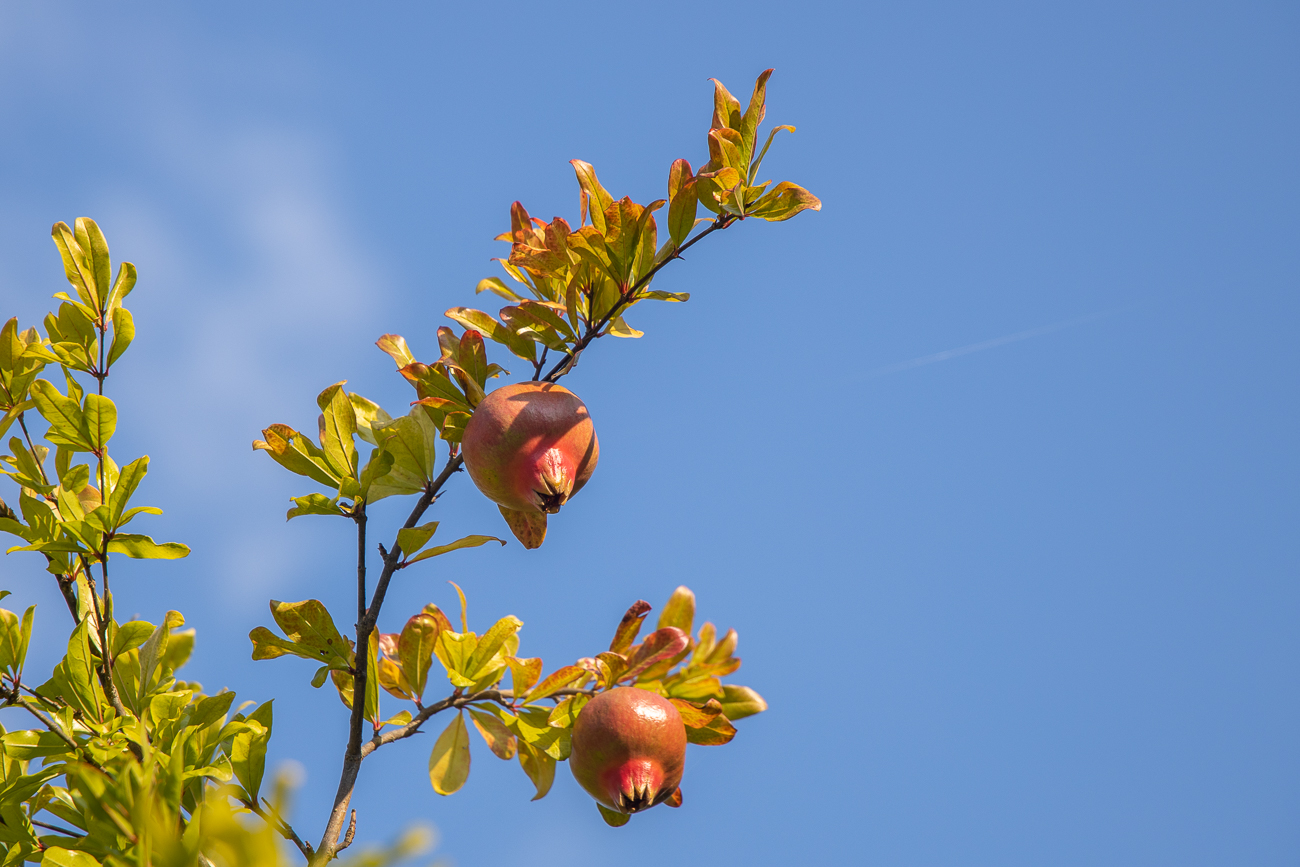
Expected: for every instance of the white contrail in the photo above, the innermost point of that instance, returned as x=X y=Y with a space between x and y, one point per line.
x=976 y=347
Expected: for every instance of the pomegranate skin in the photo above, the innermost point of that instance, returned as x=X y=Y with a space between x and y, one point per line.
x=530 y=446
x=629 y=749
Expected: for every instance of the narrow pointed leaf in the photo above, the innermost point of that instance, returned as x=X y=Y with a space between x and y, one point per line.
x=466 y=542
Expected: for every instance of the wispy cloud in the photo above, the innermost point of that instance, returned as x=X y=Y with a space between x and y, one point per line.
x=987 y=344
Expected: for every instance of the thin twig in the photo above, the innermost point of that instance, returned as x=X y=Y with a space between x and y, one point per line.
x=352 y=832
x=360 y=518
x=105 y=670
x=64 y=831
x=502 y=697
x=49 y=724
x=285 y=830
x=329 y=844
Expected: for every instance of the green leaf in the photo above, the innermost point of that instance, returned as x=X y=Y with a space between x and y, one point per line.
x=207 y=711
x=76 y=264
x=454 y=650
x=619 y=328
x=80 y=669
x=449 y=761
x=613 y=819
x=415 y=649
x=297 y=454
x=123 y=333
x=99 y=421
x=308 y=624
x=497 y=286
x=154 y=651
x=464 y=607
x=493 y=330
x=394 y=346
x=656 y=295
x=714 y=189
x=268 y=645
x=530 y=325
x=62 y=413
x=128 y=479
x=400 y=718
x=466 y=542
x=29 y=744
x=379 y=466
x=15 y=635
x=411 y=440
x=372 y=678
x=533 y=726
x=139 y=547
x=248 y=750
x=95 y=246
x=122 y=286
x=131 y=635
x=314 y=504
x=338 y=426
x=739 y=702
x=566 y=712
x=56 y=856
x=412 y=539
x=783 y=202
x=679 y=611
x=491 y=642
x=539 y=767
x=368 y=415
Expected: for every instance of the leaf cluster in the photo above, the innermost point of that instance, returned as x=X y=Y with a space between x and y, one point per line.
x=531 y=721
x=73 y=512
x=568 y=286
x=95 y=785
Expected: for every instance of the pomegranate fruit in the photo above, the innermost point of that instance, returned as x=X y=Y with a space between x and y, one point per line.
x=530 y=446
x=629 y=749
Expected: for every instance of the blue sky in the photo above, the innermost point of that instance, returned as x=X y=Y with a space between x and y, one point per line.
x=1033 y=603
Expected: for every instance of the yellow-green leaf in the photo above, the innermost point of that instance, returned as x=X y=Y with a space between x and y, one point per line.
x=449 y=761
x=412 y=539
x=613 y=819
x=783 y=202
x=466 y=542
x=739 y=702
x=539 y=767
x=139 y=547
x=679 y=610
x=56 y=856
